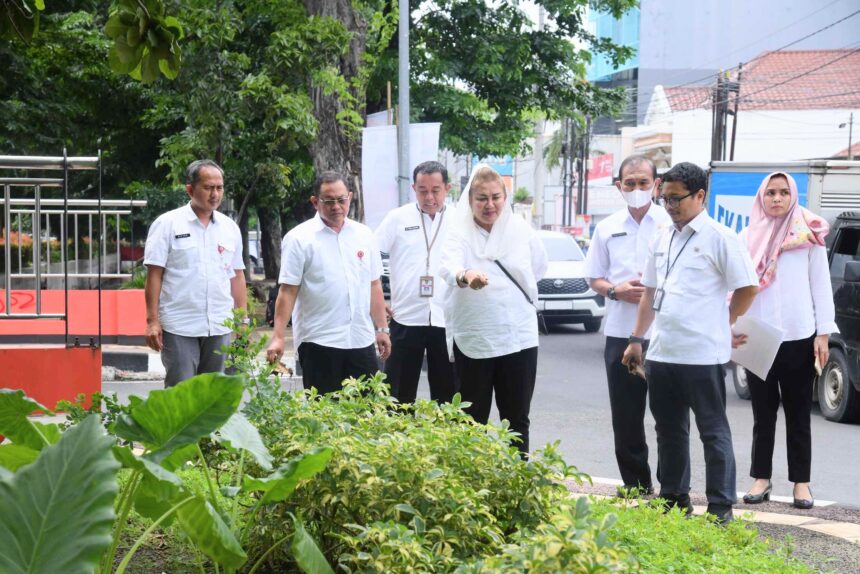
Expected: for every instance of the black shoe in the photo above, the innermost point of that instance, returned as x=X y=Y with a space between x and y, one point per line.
x=760 y=497
x=722 y=512
x=803 y=503
x=680 y=501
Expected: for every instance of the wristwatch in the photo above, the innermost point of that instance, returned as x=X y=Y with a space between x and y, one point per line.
x=611 y=294
x=385 y=330
x=635 y=339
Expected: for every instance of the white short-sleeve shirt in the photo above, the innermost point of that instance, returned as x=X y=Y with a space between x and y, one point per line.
x=706 y=262
x=496 y=320
x=618 y=253
x=333 y=271
x=404 y=234
x=199 y=263
x=799 y=301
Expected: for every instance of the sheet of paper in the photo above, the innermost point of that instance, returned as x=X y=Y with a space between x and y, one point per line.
x=759 y=352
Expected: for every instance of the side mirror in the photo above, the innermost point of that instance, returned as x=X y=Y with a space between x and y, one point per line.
x=852 y=272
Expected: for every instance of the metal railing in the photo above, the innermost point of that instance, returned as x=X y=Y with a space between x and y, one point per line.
x=31 y=218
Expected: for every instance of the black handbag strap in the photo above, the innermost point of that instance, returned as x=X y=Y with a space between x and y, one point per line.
x=511 y=277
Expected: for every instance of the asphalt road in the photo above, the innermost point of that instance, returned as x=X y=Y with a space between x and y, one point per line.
x=571 y=403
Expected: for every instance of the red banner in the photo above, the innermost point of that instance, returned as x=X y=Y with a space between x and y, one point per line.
x=601 y=166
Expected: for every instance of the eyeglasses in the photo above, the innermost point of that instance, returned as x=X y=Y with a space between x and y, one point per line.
x=674 y=201
x=331 y=202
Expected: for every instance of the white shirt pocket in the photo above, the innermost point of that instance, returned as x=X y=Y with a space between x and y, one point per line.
x=182 y=255
x=225 y=260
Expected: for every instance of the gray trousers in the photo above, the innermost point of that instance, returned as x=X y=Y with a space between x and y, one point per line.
x=185 y=357
x=674 y=390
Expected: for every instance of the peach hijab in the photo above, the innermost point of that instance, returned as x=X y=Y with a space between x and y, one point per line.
x=769 y=236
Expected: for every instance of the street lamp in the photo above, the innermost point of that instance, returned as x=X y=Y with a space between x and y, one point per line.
x=850 y=125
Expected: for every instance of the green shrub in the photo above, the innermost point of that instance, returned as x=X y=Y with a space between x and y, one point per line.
x=415 y=488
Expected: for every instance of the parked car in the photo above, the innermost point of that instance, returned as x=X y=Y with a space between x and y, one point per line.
x=564 y=295
x=837 y=390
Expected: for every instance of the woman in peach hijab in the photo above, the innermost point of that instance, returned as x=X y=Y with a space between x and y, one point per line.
x=786 y=243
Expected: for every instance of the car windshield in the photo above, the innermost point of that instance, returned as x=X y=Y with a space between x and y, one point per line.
x=562 y=249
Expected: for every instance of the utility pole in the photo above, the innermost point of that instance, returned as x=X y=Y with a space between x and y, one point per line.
x=735 y=114
x=539 y=166
x=403 y=101
x=565 y=176
x=586 y=146
x=848 y=154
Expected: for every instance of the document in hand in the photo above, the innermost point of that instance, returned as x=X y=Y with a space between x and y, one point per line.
x=759 y=352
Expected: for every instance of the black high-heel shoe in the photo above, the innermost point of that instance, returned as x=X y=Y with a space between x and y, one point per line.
x=760 y=497
x=805 y=503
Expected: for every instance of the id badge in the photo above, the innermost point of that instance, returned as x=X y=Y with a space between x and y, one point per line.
x=658 y=299
x=426 y=286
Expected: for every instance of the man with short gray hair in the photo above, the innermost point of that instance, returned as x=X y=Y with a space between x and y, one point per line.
x=194 y=278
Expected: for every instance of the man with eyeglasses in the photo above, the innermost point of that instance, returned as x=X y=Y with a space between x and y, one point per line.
x=413 y=235
x=329 y=284
x=194 y=278
x=614 y=264
x=692 y=268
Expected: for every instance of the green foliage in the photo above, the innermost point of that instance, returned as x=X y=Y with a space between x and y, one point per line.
x=56 y=513
x=408 y=488
x=146 y=40
x=673 y=543
x=15 y=407
x=521 y=195
x=19 y=20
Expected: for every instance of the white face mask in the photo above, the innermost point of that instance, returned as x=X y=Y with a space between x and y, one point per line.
x=638 y=197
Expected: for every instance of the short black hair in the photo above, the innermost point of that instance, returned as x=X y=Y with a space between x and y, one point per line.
x=328 y=177
x=636 y=160
x=429 y=167
x=691 y=176
x=192 y=172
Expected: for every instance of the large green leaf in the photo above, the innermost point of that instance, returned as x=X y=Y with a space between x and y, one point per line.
x=208 y=531
x=129 y=460
x=280 y=484
x=56 y=514
x=306 y=552
x=239 y=433
x=181 y=415
x=14 y=424
x=14 y=456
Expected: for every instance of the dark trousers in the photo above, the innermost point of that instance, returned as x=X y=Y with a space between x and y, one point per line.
x=627 y=395
x=790 y=377
x=513 y=378
x=325 y=368
x=184 y=357
x=674 y=391
x=403 y=367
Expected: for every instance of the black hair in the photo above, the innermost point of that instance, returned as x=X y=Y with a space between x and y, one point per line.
x=691 y=176
x=429 y=167
x=192 y=172
x=636 y=160
x=328 y=177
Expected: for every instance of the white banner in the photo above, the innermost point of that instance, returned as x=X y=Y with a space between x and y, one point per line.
x=379 y=165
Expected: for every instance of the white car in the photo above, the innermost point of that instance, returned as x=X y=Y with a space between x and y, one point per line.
x=563 y=294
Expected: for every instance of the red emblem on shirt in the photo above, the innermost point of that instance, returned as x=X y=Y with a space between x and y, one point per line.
x=360 y=254
x=220 y=249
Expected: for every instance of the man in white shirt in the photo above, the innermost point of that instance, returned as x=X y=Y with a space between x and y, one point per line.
x=413 y=236
x=691 y=269
x=614 y=264
x=329 y=284
x=194 y=278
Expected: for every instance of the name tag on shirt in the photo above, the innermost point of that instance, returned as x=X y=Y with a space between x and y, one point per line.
x=413 y=228
x=425 y=288
x=182 y=236
x=619 y=234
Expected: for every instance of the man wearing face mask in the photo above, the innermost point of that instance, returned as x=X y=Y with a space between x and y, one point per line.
x=413 y=236
x=614 y=264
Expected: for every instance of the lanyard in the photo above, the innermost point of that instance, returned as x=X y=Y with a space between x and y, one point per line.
x=429 y=243
x=669 y=253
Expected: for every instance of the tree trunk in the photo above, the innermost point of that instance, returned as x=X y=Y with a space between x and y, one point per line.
x=333 y=148
x=246 y=256
x=270 y=241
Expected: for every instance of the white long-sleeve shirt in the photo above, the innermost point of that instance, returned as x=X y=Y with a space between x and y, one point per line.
x=799 y=301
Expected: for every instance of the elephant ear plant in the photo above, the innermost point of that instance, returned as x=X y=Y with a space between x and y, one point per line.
x=61 y=507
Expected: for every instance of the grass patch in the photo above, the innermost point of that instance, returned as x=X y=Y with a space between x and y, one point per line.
x=672 y=543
